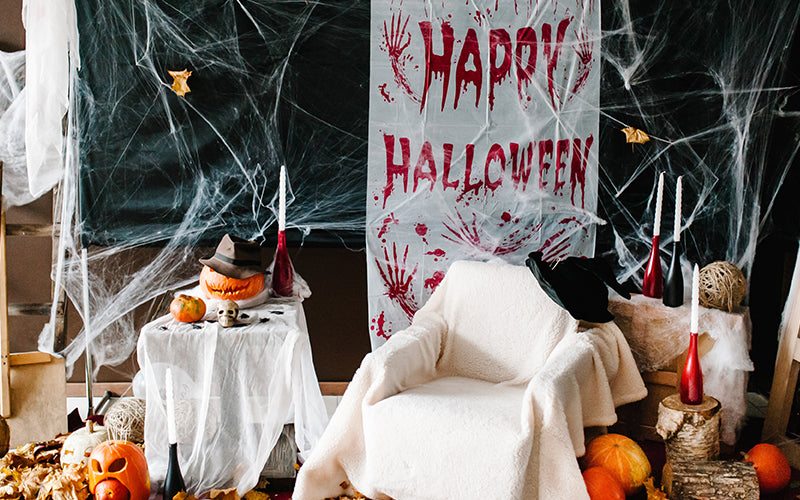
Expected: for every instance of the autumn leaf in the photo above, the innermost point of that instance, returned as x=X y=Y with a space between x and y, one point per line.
x=256 y=495
x=653 y=493
x=179 y=81
x=635 y=136
x=228 y=494
x=182 y=495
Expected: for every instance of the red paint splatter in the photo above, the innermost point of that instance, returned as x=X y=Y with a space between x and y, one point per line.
x=380 y=322
x=391 y=219
x=434 y=281
x=471 y=235
x=437 y=253
x=585 y=52
x=397 y=281
x=385 y=93
x=395 y=42
x=421 y=229
x=506 y=217
x=568 y=220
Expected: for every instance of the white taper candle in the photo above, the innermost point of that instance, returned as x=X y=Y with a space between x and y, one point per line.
x=695 y=299
x=659 y=202
x=172 y=431
x=282 y=200
x=678 y=201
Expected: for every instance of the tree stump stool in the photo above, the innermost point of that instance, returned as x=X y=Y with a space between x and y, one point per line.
x=710 y=480
x=690 y=432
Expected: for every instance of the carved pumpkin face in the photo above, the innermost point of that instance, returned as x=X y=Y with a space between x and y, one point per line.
x=80 y=443
x=124 y=462
x=218 y=286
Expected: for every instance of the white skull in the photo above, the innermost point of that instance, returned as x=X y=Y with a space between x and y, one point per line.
x=227 y=312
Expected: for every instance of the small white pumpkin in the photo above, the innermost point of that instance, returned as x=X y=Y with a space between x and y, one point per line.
x=79 y=444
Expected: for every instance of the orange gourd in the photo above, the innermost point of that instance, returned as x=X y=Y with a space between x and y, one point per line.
x=772 y=467
x=622 y=457
x=218 y=286
x=111 y=489
x=187 y=309
x=122 y=461
x=602 y=485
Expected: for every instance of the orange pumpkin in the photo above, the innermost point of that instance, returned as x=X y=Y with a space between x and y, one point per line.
x=187 y=309
x=602 y=485
x=622 y=457
x=772 y=467
x=122 y=461
x=218 y=286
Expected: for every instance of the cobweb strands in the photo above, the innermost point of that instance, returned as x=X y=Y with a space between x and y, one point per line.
x=152 y=178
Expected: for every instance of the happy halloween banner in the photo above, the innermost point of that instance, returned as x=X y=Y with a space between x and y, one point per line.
x=482 y=141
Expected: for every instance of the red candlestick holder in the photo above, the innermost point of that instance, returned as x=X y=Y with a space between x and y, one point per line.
x=692 y=376
x=653 y=285
x=282 y=273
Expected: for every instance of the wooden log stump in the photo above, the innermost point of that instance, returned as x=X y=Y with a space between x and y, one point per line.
x=710 y=480
x=690 y=432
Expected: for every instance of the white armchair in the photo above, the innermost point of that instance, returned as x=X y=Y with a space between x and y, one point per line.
x=485 y=395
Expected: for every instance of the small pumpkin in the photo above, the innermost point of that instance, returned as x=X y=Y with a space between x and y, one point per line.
x=124 y=462
x=187 y=309
x=81 y=442
x=111 y=489
x=772 y=467
x=602 y=485
x=218 y=286
x=622 y=457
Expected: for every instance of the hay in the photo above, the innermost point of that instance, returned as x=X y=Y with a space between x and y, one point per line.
x=722 y=286
x=125 y=420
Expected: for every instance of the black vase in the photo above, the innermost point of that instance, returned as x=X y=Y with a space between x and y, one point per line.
x=673 y=284
x=173 y=482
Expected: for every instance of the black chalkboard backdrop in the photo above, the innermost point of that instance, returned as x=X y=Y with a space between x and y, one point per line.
x=272 y=83
x=287 y=82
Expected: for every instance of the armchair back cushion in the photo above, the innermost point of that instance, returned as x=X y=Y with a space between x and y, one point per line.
x=501 y=326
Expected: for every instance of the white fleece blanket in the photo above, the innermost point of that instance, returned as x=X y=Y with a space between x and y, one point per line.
x=485 y=395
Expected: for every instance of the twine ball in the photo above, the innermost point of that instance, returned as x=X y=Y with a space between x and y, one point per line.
x=125 y=420
x=722 y=286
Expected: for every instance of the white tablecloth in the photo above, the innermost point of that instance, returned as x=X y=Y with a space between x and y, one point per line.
x=235 y=389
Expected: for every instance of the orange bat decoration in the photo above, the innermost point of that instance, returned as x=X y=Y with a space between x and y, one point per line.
x=635 y=136
x=179 y=84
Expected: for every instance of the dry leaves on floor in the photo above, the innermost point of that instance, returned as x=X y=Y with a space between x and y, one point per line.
x=34 y=471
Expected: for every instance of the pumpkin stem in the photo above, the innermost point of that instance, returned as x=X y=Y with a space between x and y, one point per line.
x=90 y=425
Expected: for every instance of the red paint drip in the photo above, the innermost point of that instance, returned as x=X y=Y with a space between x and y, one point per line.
x=434 y=281
x=391 y=219
x=584 y=51
x=398 y=281
x=396 y=39
x=381 y=322
x=385 y=93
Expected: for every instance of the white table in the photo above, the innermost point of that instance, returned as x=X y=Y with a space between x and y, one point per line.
x=235 y=389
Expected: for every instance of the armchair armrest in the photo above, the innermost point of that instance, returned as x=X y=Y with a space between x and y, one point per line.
x=406 y=360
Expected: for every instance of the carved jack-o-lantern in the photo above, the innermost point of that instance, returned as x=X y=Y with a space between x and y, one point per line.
x=218 y=286
x=123 y=464
x=80 y=443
